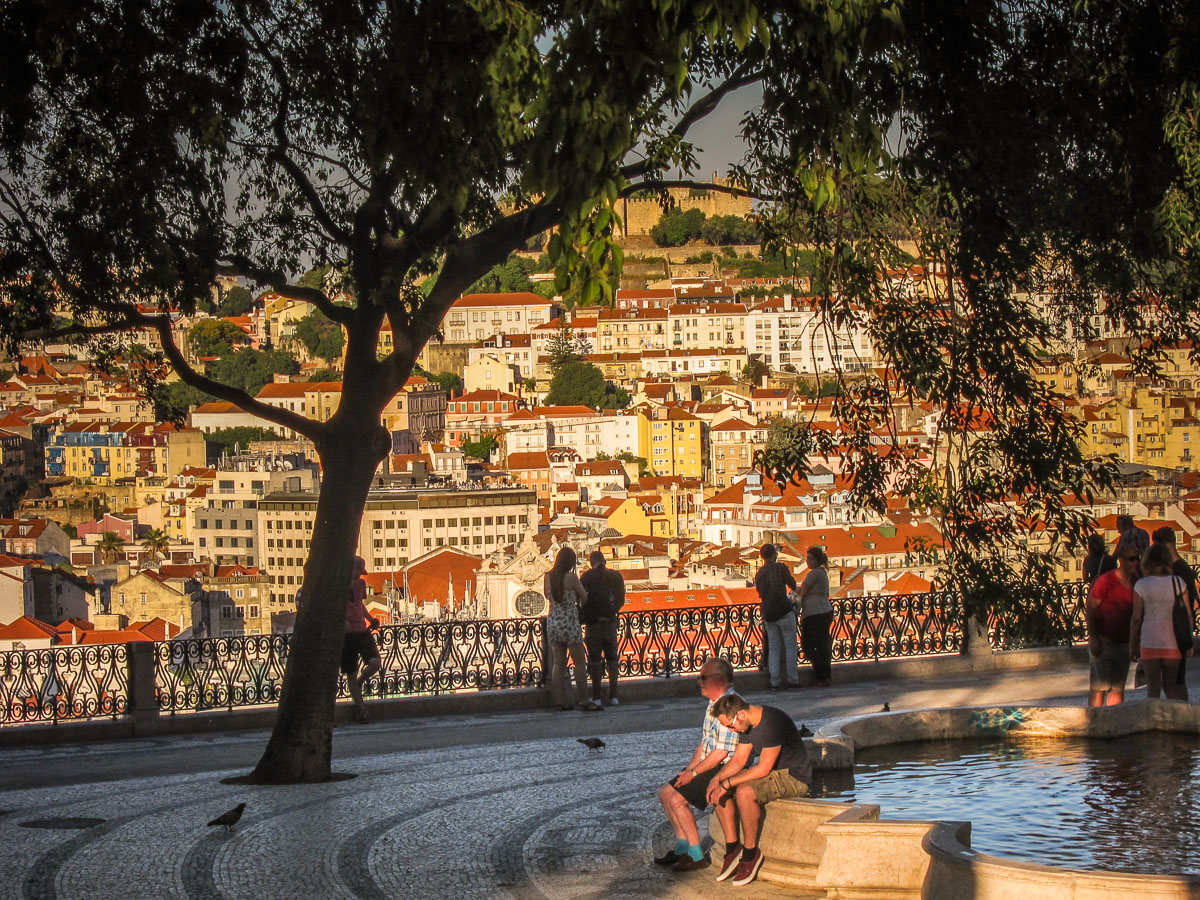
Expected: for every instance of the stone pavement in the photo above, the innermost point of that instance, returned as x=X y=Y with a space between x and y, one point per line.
x=502 y=805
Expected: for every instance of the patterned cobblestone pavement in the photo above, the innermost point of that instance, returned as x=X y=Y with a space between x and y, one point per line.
x=533 y=817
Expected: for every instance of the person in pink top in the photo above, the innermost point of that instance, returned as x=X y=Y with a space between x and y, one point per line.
x=1109 y=610
x=1151 y=631
x=358 y=642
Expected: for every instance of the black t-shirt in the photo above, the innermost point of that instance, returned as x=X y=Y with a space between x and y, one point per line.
x=772 y=583
x=605 y=595
x=776 y=729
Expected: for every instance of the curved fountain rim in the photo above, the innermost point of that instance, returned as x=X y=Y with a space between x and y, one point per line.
x=1127 y=718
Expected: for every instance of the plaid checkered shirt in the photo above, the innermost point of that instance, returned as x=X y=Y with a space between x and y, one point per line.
x=716 y=736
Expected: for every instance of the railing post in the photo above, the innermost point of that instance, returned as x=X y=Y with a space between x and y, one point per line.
x=547 y=661
x=143 y=699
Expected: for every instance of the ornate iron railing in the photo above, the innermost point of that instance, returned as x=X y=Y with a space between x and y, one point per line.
x=219 y=673
x=447 y=656
x=434 y=658
x=55 y=683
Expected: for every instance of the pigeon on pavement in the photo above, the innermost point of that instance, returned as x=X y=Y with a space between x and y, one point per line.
x=594 y=745
x=887 y=707
x=229 y=819
x=805 y=731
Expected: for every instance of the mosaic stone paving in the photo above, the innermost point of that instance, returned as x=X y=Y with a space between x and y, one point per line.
x=538 y=819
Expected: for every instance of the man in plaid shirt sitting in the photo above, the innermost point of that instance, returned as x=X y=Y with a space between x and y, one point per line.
x=690 y=787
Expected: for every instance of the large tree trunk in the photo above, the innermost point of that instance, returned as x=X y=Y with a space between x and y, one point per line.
x=300 y=748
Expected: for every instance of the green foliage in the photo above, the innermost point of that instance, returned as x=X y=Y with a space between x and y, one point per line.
x=325 y=375
x=173 y=400
x=512 y=276
x=216 y=337
x=482 y=448
x=156 y=543
x=565 y=346
x=322 y=337
x=223 y=440
x=582 y=384
x=449 y=382
x=677 y=227
x=315 y=277
x=237 y=302
x=249 y=369
x=626 y=457
x=755 y=371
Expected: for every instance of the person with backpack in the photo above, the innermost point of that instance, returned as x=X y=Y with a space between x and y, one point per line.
x=773 y=584
x=605 y=597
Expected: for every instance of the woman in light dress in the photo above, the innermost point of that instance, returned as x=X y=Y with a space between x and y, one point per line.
x=566 y=594
x=1151 y=631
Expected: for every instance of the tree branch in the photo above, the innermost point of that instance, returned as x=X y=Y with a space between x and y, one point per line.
x=467 y=260
x=697 y=111
x=240 y=265
x=312 y=430
x=279 y=153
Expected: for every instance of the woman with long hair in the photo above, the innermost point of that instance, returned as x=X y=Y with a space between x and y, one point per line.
x=816 y=617
x=566 y=594
x=1151 y=629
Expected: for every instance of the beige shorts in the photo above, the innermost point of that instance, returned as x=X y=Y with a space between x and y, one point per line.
x=779 y=785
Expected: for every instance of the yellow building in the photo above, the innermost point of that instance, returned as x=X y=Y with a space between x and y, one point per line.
x=672 y=441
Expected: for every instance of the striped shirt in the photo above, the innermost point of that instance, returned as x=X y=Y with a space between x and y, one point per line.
x=715 y=735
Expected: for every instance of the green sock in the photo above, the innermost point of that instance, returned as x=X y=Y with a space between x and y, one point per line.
x=681 y=846
x=694 y=852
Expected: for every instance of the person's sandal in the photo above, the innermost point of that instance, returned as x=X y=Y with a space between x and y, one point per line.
x=590 y=707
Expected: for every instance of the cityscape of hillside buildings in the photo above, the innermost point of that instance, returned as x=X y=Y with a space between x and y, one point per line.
x=116 y=527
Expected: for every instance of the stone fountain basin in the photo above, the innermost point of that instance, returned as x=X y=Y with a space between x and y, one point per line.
x=852 y=850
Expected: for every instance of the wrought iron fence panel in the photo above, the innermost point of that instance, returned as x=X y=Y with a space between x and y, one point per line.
x=889 y=626
x=57 y=683
x=436 y=657
x=219 y=673
x=676 y=642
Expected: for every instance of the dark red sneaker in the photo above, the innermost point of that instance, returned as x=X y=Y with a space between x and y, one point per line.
x=747 y=869
x=669 y=858
x=733 y=855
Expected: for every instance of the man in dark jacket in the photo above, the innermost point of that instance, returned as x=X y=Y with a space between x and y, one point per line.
x=605 y=597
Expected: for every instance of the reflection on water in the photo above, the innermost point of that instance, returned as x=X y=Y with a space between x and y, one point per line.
x=1122 y=805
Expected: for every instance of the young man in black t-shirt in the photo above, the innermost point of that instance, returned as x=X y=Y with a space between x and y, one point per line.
x=740 y=791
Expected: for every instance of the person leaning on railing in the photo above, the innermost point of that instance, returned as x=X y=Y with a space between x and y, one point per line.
x=773 y=582
x=811 y=602
x=566 y=594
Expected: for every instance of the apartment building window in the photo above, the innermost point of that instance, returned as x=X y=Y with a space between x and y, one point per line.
x=226 y=612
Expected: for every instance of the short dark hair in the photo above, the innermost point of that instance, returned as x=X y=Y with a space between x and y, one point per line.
x=769 y=552
x=1164 y=535
x=1124 y=522
x=597 y=559
x=729 y=705
x=724 y=669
